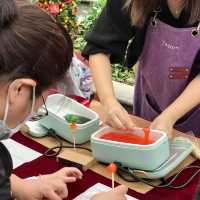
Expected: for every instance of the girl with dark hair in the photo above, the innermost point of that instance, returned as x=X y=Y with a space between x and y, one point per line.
x=35 y=53
x=164 y=36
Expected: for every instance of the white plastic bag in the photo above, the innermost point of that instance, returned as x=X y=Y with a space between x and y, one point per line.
x=78 y=80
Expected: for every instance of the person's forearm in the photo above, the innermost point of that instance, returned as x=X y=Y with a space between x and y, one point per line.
x=189 y=98
x=102 y=76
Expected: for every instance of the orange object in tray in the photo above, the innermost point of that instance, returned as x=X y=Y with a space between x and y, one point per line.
x=126 y=138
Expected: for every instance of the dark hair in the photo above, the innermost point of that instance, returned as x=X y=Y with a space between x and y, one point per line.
x=32 y=45
x=141 y=10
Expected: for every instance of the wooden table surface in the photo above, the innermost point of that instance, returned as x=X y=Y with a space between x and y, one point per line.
x=86 y=159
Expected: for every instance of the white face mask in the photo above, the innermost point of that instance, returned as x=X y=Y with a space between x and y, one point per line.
x=18 y=127
x=15 y=130
x=6 y=132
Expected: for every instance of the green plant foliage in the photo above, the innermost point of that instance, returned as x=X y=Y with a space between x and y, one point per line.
x=63 y=10
x=87 y=23
x=119 y=72
x=123 y=74
x=84 y=25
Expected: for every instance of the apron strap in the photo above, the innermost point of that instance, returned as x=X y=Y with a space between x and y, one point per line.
x=196 y=31
x=156 y=11
x=198 y=27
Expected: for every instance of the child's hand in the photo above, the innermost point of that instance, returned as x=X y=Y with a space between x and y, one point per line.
x=40 y=189
x=117 y=194
x=71 y=174
x=163 y=123
x=50 y=187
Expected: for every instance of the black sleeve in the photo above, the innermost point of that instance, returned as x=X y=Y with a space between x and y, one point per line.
x=111 y=32
x=197 y=62
x=5 y=173
x=195 y=67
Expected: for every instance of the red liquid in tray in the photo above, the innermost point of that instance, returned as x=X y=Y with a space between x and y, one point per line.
x=126 y=138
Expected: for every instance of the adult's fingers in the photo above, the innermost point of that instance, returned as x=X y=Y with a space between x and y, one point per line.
x=115 y=121
x=126 y=119
x=121 y=120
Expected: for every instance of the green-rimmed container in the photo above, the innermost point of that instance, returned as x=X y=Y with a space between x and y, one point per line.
x=58 y=107
x=144 y=157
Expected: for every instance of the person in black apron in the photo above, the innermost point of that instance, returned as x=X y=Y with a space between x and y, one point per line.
x=35 y=53
x=164 y=36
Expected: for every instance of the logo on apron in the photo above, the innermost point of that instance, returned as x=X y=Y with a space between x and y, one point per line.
x=179 y=73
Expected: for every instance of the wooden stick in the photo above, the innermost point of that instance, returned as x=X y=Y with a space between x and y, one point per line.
x=74 y=138
x=113 y=180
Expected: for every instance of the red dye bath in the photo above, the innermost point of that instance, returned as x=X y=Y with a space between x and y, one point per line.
x=126 y=138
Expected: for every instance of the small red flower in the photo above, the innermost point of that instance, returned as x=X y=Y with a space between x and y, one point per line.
x=54 y=8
